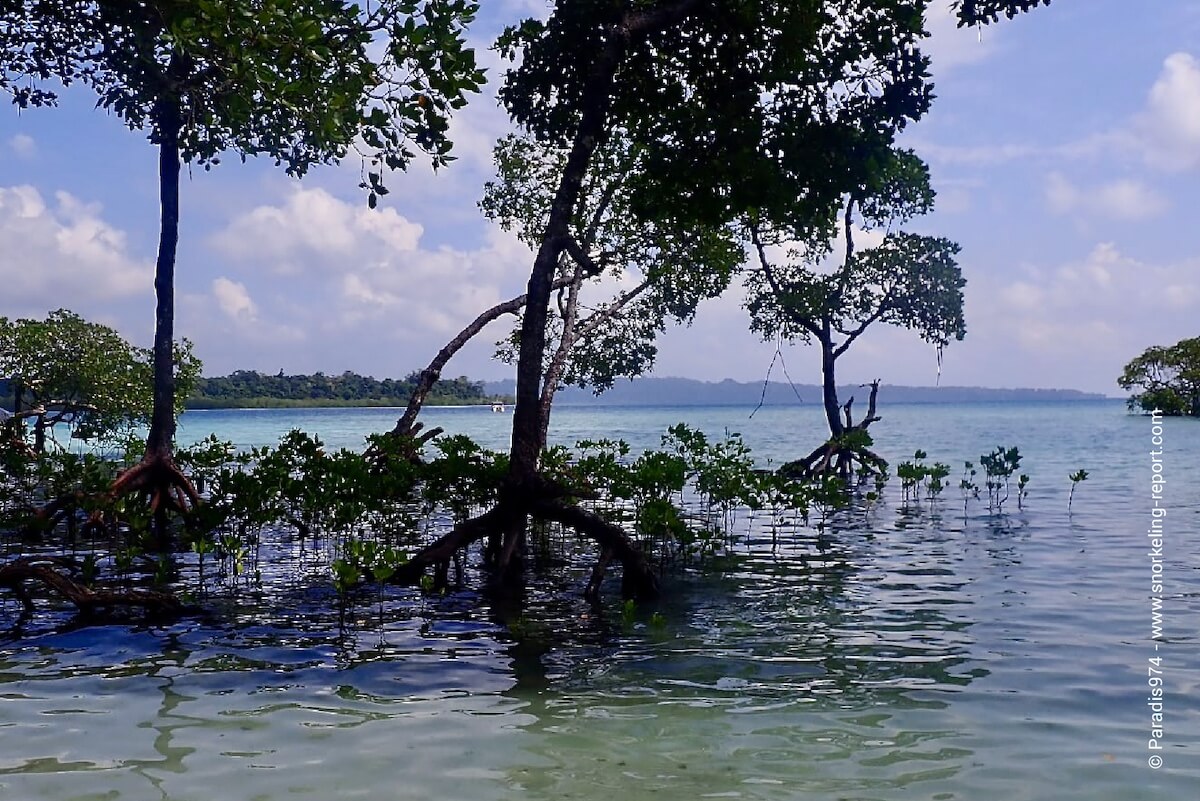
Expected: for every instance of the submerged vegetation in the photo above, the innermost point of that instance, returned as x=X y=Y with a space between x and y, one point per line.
x=348 y=519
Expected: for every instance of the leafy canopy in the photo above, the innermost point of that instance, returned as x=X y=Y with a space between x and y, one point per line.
x=636 y=275
x=84 y=374
x=908 y=280
x=1168 y=379
x=296 y=80
x=737 y=105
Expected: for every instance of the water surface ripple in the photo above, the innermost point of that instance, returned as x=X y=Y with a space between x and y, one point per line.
x=912 y=653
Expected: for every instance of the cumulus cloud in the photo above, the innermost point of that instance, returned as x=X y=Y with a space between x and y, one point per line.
x=1082 y=319
x=63 y=254
x=1116 y=200
x=22 y=145
x=1169 y=128
x=313 y=229
x=233 y=299
x=1165 y=134
x=357 y=281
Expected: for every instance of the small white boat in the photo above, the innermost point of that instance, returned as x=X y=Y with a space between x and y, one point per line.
x=497 y=407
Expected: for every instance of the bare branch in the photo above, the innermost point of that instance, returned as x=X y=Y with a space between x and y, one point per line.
x=433 y=371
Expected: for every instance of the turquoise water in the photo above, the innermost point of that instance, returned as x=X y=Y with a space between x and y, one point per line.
x=919 y=653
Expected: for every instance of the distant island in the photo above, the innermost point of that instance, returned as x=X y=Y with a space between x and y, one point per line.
x=248 y=389
x=689 y=392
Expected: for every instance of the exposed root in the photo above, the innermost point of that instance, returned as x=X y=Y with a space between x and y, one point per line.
x=14 y=575
x=839 y=455
x=47 y=516
x=601 y=567
x=443 y=549
x=158 y=477
x=833 y=458
x=638 y=578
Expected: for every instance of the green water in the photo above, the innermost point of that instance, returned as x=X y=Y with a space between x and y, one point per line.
x=918 y=653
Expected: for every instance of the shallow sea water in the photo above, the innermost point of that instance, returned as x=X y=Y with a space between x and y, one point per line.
x=921 y=653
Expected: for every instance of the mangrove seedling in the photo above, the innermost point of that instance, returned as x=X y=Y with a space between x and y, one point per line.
x=998 y=467
x=967 y=484
x=1076 y=477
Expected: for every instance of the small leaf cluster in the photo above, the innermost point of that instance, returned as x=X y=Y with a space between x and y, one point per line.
x=999 y=467
x=916 y=475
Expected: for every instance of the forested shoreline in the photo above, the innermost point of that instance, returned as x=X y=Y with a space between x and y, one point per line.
x=249 y=389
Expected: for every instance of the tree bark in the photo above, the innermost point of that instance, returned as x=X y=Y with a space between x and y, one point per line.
x=527 y=417
x=829 y=386
x=162 y=420
x=558 y=364
x=156 y=474
x=14 y=575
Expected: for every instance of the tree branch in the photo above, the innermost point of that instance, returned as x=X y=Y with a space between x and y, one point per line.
x=590 y=268
x=805 y=323
x=643 y=22
x=429 y=376
x=590 y=323
x=884 y=308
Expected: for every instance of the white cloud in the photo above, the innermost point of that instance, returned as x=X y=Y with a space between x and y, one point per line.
x=1118 y=200
x=1086 y=317
x=233 y=299
x=1023 y=296
x=1169 y=128
x=313 y=229
x=22 y=145
x=950 y=46
x=1165 y=134
x=353 y=272
x=972 y=155
x=63 y=255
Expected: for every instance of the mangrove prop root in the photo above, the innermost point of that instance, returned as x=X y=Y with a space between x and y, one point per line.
x=14 y=574
x=598 y=571
x=157 y=476
x=47 y=517
x=444 y=548
x=832 y=459
x=638 y=577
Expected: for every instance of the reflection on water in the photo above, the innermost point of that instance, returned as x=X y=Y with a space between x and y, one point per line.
x=770 y=682
x=913 y=654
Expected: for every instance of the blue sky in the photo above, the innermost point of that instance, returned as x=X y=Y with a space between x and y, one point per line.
x=1064 y=145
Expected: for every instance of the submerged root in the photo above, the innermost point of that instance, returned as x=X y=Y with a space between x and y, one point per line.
x=15 y=574
x=638 y=577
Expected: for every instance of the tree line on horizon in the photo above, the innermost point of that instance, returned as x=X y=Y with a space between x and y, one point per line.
x=252 y=389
